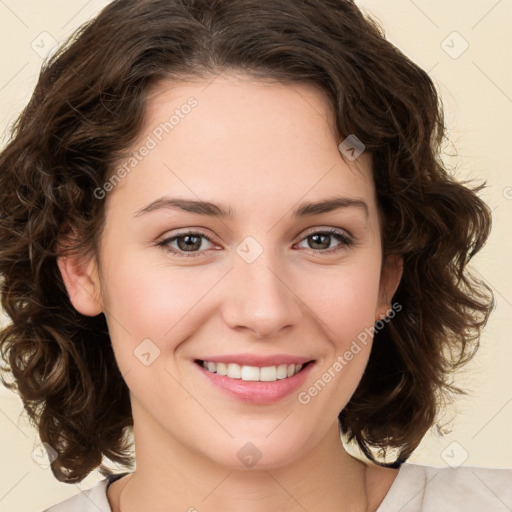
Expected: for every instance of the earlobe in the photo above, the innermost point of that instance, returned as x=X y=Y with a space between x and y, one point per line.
x=80 y=276
x=391 y=274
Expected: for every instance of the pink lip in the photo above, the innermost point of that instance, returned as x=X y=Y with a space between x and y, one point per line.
x=256 y=392
x=255 y=360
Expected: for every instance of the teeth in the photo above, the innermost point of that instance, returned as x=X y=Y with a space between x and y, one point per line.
x=268 y=373
x=282 y=371
x=253 y=373
x=233 y=371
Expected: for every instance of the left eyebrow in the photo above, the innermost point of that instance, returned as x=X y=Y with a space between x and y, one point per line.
x=329 y=205
x=221 y=211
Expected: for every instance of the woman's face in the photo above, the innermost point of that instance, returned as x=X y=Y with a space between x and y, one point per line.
x=266 y=279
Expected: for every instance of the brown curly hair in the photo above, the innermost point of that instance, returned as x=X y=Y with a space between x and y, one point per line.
x=89 y=106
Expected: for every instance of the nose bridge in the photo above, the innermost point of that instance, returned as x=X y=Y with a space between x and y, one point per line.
x=259 y=297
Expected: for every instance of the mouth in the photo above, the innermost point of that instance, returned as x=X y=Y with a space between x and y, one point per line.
x=255 y=385
x=253 y=373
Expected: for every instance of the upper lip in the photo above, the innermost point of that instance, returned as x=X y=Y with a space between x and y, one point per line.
x=257 y=360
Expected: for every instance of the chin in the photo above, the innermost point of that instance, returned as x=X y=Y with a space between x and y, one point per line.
x=257 y=452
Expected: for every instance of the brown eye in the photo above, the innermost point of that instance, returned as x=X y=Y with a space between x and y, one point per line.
x=320 y=241
x=189 y=242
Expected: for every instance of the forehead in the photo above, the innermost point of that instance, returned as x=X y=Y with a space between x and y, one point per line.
x=235 y=138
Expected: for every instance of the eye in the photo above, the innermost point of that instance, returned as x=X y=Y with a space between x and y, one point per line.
x=188 y=242
x=322 y=240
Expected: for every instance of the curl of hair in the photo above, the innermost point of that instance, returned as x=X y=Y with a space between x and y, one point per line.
x=88 y=108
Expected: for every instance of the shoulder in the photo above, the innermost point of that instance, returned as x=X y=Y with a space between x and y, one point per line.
x=425 y=488
x=90 y=500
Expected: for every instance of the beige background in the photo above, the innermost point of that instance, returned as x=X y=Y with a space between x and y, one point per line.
x=476 y=88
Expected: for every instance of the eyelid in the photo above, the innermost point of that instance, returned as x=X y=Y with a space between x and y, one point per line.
x=327 y=229
x=186 y=231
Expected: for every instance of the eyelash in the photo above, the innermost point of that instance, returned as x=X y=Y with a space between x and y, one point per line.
x=341 y=237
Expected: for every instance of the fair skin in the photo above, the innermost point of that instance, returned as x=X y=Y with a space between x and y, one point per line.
x=259 y=149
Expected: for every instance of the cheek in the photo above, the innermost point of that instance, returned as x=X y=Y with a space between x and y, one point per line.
x=149 y=314
x=345 y=298
x=344 y=305
x=153 y=301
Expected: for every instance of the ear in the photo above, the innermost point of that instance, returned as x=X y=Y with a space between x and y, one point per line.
x=80 y=276
x=391 y=273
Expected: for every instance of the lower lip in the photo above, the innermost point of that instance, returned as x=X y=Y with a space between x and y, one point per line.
x=257 y=392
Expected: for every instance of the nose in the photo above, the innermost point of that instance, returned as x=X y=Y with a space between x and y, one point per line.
x=260 y=298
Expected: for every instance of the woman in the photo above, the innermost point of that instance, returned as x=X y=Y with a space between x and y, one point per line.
x=227 y=227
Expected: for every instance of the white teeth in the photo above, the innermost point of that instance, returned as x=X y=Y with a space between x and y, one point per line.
x=246 y=373
x=268 y=373
x=253 y=373
x=221 y=369
x=282 y=372
x=233 y=371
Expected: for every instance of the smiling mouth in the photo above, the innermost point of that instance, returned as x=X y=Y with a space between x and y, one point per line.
x=253 y=373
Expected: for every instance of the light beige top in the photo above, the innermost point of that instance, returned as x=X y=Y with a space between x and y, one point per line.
x=417 y=488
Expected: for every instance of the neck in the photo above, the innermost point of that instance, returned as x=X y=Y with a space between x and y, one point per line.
x=171 y=477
